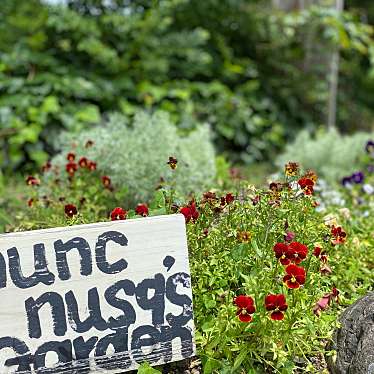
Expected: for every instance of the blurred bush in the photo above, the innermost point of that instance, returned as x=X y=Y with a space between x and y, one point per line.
x=254 y=73
x=134 y=153
x=329 y=153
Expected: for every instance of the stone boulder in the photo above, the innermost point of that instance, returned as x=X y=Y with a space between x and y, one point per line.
x=354 y=340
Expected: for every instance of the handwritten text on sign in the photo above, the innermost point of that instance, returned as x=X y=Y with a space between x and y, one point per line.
x=95 y=298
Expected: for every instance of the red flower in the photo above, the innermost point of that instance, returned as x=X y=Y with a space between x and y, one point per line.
x=70 y=156
x=340 y=236
x=83 y=162
x=106 y=181
x=317 y=251
x=256 y=200
x=190 y=212
x=323 y=257
x=282 y=252
x=172 y=162
x=118 y=214
x=70 y=210
x=91 y=165
x=32 y=181
x=71 y=168
x=229 y=198
x=245 y=306
x=31 y=202
x=299 y=252
x=142 y=210
x=306 y=185
x=278 y=304
x=295 y=276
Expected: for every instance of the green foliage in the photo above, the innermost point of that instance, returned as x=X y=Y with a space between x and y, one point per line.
x=147 y=369
x=226 y=263
x=329 y=153
x=224 y=266
x=135 y=154
x=234 y=64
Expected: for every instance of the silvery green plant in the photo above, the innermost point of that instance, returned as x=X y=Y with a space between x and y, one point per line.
x=134 y=153
x=329 y=153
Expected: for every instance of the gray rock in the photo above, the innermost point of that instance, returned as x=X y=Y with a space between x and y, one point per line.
x=354 y=340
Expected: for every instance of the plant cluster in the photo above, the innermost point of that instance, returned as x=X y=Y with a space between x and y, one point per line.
x=269 y=272
x=263 y=256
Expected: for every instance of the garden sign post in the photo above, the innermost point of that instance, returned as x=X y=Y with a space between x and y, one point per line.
x=97 y=298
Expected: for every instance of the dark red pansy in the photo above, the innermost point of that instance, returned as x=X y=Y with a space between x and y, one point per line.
x=71 y=168
x=118 y=214
x=256 y=200
x=229 y=198
x=295 y=276
x=282 y=252
x=245 y=305
x=299 y=252
x=277 y=304
x=306 y=185
x=92 y=165
x=70 y=210
x=83 y=162
x=172 y=162
x=340 y=236
x=70 y=156
x=142 y=210
x=317 y=251
x=209 y=197
x=106 y=181
x=323 y=257
x=32 y=181
x=190 y=212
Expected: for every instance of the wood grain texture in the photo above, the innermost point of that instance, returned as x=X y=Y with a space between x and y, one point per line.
x=134 y=299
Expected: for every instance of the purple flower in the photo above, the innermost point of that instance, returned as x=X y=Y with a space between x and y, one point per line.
x=370 y=147
x=346 y=181
x=358 y=177
x=371 y=168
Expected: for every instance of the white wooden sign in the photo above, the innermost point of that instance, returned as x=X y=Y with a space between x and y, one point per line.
x=95 y=298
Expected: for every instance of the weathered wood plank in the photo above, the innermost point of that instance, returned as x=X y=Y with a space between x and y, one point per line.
x=101 y=297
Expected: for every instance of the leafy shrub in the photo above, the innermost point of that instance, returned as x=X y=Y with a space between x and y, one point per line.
x=233 y=64
x=329 y=153
x=134 y=153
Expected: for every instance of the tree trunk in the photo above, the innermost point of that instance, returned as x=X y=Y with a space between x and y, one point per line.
x=333 y=79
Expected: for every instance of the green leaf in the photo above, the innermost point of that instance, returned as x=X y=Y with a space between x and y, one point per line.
x=50 y=105
x=211 y=365
x=241 y=357
x=158 y=200
x=239 y=251
x=88 y=114
x=145 y=368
